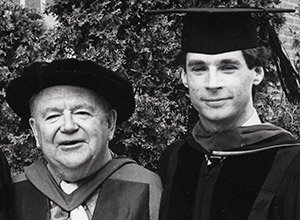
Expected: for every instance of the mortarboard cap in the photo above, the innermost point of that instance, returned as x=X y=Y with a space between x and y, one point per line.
x=218 y=30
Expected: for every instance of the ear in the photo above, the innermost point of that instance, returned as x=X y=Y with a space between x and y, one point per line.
x=34 y=129
x=259 y=75
x=112 y=119
x=184 y=78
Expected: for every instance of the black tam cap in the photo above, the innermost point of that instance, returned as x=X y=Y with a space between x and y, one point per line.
x=117 y=91
x=218 y=30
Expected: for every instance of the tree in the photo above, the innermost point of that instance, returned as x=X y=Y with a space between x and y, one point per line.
x=22 y=37
x=272 y=103
x=119 y=35
x=296 y=36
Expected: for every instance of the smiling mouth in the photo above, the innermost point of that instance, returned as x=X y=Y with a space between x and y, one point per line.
x=70 y=144
x=216 y=102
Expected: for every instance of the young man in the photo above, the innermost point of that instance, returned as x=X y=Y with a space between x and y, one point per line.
x=73 y=107
x=232 y=166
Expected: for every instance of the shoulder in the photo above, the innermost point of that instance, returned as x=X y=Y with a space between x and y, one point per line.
x=3 y=161
x=19 y=178
x=290 y=153
x=168 y=159
x=287 y=166
x=171 y=150
x=5 y=176
x=289 y=187
x=135 y=173
x=22 y=188
x=287 y=160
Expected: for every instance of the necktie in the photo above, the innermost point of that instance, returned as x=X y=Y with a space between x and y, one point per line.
x=78 y=213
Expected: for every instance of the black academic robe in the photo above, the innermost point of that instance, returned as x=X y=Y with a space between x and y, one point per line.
x=232 y=188
x=5 y=190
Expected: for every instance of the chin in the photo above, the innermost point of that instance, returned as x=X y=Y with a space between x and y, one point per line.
x=75 y=163
x=218 y=117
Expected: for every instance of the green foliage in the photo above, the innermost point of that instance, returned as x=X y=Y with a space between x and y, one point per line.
x=271 y=102
x=118 y=35
x=142 y=48
x=21 y=39
x=296 y=45
x=156 y=123
x=273 y=107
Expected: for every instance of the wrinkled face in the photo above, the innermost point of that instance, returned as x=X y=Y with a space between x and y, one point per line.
x=72 y=127
x=220 y=86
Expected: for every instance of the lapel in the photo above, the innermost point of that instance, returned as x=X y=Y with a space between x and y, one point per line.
x=119 y=200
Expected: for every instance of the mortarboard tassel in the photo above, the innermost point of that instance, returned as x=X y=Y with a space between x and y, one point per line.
x=289 y=78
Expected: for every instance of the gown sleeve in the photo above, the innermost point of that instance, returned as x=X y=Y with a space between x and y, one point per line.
x=5 y=189
x=286 y=204
x=291 y=201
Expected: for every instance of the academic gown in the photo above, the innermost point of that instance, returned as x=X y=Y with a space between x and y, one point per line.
x=125 y=191
x=231 y=188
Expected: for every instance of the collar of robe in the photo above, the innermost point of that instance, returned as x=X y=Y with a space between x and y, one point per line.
x=40 y=177
x=241 y=140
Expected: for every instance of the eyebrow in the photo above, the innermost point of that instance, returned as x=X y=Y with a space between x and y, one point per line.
x=49 y=109
x=56 y=109
x=196 y=62
x=219 y=62
x=84 y=106
x=229 y=61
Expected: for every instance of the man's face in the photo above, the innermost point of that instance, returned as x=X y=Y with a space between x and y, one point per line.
x=72 y=128
x=220 y=86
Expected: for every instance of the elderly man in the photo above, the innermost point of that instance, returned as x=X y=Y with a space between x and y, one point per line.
x=232 y=166
x=73 y=107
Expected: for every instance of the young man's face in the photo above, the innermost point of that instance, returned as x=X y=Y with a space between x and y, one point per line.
x=220 y=86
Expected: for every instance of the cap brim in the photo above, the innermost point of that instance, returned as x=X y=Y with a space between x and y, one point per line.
x=119 y=96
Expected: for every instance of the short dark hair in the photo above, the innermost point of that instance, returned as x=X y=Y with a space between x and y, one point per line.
x=254 y=57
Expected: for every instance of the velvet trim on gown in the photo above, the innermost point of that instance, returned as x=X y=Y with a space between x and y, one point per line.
x=224 y=190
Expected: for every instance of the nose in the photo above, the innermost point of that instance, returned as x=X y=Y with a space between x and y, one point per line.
x=68 y=126
x=213 y=81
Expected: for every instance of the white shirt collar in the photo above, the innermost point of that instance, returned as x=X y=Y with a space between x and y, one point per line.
x=253 y=120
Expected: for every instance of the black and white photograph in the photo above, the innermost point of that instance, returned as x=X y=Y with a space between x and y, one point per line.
x=150 y=110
